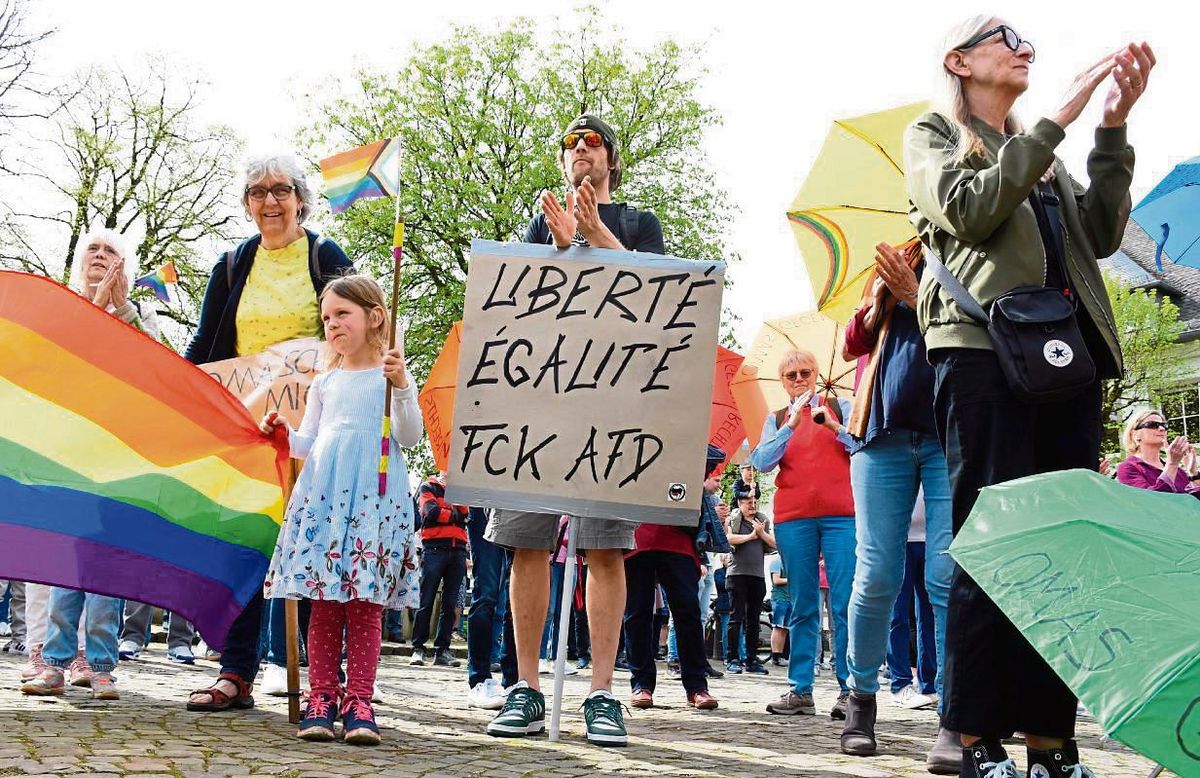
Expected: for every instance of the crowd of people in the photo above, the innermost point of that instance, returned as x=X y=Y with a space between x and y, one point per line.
x=866 y=497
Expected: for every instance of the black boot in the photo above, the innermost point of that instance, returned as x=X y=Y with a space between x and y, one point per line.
x=858 y=736
x=987 y=759
x=1054 y=762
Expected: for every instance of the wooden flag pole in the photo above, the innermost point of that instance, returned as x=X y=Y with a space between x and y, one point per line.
x=291 y=627
x=397 y=254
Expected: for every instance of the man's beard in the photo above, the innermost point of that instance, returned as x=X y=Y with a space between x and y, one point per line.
x=596 y=175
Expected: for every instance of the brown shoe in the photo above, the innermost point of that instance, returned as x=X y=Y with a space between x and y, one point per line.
x=34 y=667
x=702 y=700
x=79 y=671
x=104 y=687
x=792 y=704
x=641 y=699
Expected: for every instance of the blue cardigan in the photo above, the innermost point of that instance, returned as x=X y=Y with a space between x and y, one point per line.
x=216 y=335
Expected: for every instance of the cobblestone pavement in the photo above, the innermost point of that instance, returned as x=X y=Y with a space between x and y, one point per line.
x=428 y=730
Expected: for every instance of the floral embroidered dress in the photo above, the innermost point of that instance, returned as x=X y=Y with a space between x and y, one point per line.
x=340 y=539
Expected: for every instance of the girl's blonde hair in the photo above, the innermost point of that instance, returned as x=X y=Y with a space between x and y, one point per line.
x=78 y=279
x=1127 y=437
x=951 y=98
x=365 y=292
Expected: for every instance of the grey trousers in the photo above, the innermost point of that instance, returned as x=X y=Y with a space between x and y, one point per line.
x=137 y=623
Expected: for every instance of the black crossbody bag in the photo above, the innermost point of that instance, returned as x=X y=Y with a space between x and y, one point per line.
x=1033 y=329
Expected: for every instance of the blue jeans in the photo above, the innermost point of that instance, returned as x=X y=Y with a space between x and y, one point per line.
x=885 y=476
x=801 y=542
x=442 y=565
x=272 y=643
x=103 y=619
x=913 y=597
x=490 y=566
x=707 y=587
x=549 y=650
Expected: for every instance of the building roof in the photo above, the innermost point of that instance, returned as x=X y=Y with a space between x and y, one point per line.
x=1134 y=263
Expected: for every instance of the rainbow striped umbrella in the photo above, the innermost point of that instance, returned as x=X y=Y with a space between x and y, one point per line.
x=853 y=199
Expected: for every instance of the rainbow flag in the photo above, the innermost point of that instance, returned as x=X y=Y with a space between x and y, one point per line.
x=125 y=470
x=157 y=281
x=362 y=173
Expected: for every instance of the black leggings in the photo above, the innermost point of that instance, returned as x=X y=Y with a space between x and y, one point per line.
x=746 y=593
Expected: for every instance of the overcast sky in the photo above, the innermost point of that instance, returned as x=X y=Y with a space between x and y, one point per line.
x=779 y=75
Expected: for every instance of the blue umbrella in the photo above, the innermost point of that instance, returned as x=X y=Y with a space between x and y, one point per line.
x=1170 y=215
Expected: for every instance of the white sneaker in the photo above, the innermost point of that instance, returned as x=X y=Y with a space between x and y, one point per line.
x=274 y=681
x=544 y=667
x=376 y=695
x=487 y=694
x=5 y=629
x=127 y=649
x=910 y=698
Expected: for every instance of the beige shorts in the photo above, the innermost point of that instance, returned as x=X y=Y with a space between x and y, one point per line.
x=525 y=529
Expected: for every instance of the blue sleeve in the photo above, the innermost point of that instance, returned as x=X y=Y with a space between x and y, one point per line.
x=216 y=297
x=771 y=446
x=332 y=261
x=537 y=231
x=844 y=437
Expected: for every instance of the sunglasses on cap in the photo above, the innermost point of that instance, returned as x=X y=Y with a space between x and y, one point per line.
x=1152 y=425
x=1011 y=40
x=805 y=374
x=591 y=139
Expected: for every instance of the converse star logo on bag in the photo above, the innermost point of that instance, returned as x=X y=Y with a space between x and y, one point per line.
x=1038 y=771
x=1057 y=353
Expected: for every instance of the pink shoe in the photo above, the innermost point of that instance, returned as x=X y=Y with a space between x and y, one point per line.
x=80 y=671
x=49 y=682
x=34 y=667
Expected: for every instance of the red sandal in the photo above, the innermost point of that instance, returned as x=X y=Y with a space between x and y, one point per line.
x=218 y=700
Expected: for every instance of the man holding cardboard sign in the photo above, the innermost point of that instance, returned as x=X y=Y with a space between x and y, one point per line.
x=523 y=440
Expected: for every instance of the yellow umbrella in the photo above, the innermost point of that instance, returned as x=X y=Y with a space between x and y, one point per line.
x=853 y=198
x=756 y=386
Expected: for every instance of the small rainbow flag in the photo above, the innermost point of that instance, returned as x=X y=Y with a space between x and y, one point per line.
x=362 y=173
x=157 y=281
x=125 y=470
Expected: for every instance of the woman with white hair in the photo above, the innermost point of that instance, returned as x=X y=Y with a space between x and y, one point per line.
x=1007 y=220
x=261 y=293
x=101 y=273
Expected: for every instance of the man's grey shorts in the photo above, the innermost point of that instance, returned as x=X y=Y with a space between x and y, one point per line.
x=524 y=529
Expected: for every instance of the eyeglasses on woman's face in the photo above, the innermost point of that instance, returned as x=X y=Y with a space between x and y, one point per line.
x=280 y=192
x=1010 y=37
x=803 y=374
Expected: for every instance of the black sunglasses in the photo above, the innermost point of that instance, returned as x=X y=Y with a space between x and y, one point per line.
x=1011 y=40
x=1152 y=425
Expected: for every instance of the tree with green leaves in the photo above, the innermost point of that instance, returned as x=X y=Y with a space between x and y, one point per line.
x=479 y=115
x=1149 y=328
x=126 y=153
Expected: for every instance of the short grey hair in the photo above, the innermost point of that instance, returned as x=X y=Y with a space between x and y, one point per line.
x=284 y=165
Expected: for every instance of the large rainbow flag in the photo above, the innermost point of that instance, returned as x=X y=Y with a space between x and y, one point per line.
x=367 y=171
x=124 y=470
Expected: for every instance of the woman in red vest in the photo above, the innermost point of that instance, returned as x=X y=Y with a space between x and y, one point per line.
x=814 y=517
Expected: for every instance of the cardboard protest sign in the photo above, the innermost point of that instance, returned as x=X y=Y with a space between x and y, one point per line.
x=274 y=380
x=584 y=382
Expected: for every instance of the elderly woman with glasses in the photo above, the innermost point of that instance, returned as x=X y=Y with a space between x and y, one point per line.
x=261 y=293
x=1003 y=214
x=814 y=517
x=1153 y=463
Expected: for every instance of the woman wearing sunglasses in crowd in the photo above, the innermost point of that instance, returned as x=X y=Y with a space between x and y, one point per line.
x=814 y=517
x=1153 y=463
x=984 y=191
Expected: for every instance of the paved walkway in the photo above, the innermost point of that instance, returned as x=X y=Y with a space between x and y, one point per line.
x=429 y=731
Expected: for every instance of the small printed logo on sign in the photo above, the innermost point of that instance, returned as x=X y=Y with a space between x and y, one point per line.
x=1038 y=771
x=1057 y=353
x=676 y=492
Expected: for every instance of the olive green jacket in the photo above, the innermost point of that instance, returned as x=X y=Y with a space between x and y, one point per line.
x=975 y=214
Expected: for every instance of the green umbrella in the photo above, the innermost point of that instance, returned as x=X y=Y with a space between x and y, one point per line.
x=1104 y=581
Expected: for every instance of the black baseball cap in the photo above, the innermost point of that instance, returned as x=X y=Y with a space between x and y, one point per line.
x=588 y=122
x=713 y=457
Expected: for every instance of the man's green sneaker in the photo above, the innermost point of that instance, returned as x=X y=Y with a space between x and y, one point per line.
x=524 y=713
x=605 y=725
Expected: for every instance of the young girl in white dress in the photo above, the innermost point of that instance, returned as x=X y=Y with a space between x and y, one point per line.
x=343 y=545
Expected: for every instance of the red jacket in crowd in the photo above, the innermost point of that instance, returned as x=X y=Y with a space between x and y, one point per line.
x=440 y=521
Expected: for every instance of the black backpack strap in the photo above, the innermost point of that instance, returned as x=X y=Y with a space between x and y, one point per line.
x=230 y=258
x=630 y=227
x=314 y=261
